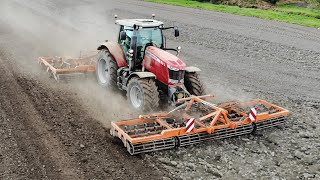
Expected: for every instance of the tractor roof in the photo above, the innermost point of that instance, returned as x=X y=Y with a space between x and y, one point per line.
x=139 y=22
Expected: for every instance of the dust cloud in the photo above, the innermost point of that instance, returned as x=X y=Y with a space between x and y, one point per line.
x=223 y=95
x=104 y=105
x=59 y=28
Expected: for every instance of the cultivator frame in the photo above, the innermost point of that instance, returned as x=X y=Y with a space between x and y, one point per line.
x=168 y=130
x=66 y=69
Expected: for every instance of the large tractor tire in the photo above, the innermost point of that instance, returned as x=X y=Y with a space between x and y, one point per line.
x=143 y=94
x=193 y=84
x=106 y=70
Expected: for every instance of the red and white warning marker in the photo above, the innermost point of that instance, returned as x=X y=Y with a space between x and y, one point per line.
x=253 y=114
x=190 y=124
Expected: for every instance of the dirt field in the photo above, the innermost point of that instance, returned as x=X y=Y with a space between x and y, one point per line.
x=59 y=131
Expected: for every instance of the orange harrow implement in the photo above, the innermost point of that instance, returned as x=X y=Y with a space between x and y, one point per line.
x=63 y=69
x=168 y=130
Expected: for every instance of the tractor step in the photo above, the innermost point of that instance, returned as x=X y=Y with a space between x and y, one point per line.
x=195 y=121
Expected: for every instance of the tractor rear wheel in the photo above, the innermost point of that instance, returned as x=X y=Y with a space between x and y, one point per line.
x=193 y=84
x=106 y=69
x=143 y=94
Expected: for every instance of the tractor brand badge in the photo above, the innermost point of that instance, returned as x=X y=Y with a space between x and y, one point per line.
x=190 y=124
x=253 y=114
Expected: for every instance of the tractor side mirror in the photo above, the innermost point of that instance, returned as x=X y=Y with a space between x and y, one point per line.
x=176 y=32
x=123 y=35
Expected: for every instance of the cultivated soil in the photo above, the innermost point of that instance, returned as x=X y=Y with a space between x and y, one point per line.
x=52 y=130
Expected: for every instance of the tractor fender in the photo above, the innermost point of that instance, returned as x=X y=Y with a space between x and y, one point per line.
x=192 y=69
x=141 y=75
x=116 y=51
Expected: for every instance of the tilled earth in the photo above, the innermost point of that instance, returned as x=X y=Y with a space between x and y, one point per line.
x=46 y=134
x=60 y=131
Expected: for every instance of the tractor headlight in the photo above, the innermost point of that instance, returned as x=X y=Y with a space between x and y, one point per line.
x=130 y=52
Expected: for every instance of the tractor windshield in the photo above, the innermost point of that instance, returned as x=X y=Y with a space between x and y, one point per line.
x=149 y=35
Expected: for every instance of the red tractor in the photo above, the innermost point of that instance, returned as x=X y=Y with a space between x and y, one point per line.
x=140 y=64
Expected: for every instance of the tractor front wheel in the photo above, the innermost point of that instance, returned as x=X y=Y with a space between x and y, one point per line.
x=193 y=84
x=143 y=94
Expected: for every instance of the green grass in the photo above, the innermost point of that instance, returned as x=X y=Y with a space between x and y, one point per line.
x=281 y=12
x=283 y=7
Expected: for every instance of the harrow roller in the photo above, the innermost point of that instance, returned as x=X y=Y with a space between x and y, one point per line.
x=151 y=146
x=268 y=123
x=196 y=138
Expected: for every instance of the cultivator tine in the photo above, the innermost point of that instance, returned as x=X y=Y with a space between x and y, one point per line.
x=168 y=130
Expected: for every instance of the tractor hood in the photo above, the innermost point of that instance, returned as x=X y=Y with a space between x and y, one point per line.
x=165 y=58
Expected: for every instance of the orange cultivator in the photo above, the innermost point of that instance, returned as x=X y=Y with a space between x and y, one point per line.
x=168 y=130
x=64 y=69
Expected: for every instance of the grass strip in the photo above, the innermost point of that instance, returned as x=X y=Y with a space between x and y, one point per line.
x=281 y=12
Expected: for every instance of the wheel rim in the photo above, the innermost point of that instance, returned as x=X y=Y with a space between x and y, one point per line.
x=136 y=97
x=103 y=71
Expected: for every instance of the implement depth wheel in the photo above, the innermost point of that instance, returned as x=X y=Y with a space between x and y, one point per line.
x=143 y=94
x=106 y=70
x=193 y=84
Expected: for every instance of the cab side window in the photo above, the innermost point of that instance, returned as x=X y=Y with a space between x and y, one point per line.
x=125 y=44
x=129 y=33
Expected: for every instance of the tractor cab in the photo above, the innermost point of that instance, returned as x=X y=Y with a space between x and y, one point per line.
x=138 y=34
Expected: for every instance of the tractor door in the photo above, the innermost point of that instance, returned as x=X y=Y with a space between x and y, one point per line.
x=125 y=44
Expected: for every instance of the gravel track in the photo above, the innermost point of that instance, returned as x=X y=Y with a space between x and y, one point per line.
x=55 y=131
